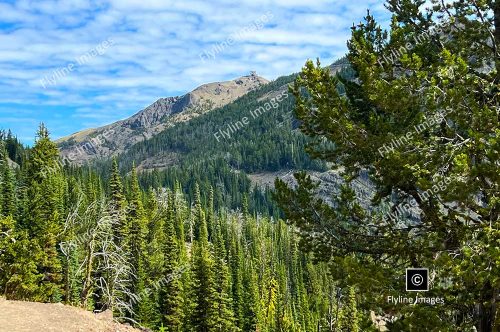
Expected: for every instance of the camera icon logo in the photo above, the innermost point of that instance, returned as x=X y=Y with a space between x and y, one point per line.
x=417 y=280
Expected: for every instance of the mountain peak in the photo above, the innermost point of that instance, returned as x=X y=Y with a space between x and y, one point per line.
x=163 y=113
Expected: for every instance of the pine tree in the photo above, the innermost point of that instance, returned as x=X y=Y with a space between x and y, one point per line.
x=203 y=287
x=91 y=189
x=181 y=214
x=250 y=298
x=135 y=245
x=235 y=264
x=222 y=302
x=210 y=214
x=414 y=117
x=269 y=305
x=244 y=205
x=7 y=193
x=198 y=214
x=352 y=314
x=7 y=245
x=23 y=275
x=117 y=202
x=171 y=301
x=154 y=259
x=349 y=317
x=235 y=269
x=44 y=214
x=72 y=198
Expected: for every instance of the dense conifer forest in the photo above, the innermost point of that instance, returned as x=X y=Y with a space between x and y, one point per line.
x=156 y=257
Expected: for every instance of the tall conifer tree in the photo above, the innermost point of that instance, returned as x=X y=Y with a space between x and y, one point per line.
x=135 y=244
x=222 y=302
x=7 y=193
x=171 y=300
x=117 y=202
x=203 y=287
x=44 y=214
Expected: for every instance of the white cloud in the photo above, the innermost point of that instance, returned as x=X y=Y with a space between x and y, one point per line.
x=156 y=49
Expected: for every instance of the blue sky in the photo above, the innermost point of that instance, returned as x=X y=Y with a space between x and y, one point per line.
x=76 y=64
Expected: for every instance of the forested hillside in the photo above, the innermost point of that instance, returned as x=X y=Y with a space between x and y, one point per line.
x=218 y=150
x=268 y=141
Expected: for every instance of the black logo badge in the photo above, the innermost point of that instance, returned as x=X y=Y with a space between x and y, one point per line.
x=417 y=280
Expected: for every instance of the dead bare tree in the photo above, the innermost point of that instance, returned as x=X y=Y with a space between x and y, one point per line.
x=102 y=263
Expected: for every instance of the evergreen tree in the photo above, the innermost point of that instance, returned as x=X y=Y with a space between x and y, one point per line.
x=244 y=206
x=203 y=288
x=236 y=269
x=43 y=217
x=91 y=188
x=349 y=321
x=210 y=214
x=418 y=125
x=250 y=298
x=222 y=302
x=181 y=214
x=23 y=276
x=7 y=245
x=117 y=202
x=8 y=194
x=154 y=259
x=135 y=245
x=198 y=215
x=131 y=255
x=171 y=301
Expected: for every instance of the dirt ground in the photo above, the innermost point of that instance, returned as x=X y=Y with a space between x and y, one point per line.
x=19 y=316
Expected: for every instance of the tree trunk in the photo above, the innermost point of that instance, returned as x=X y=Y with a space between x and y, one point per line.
x=67 y=289
x=484 y=322
x=87 y=284
x=496 y=10
x=495 y=313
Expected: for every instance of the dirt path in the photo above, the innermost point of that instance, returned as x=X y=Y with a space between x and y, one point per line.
x=19 y=316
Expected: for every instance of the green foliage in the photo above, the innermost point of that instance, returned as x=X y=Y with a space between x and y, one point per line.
x=349 y=321
x=222 y=302
x=134 y=239
x=233 y=281
x=7 y=248
x=203 y=315
x=41 y=271
x=417 y=125
x=171 y=301
x=7 y=195
x=117 y=202
x=15 y=150
x=23 y=277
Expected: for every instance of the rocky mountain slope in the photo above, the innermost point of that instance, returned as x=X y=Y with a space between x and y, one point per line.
x=255 y=133
x=115 y=138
